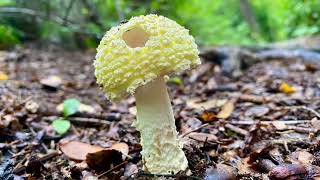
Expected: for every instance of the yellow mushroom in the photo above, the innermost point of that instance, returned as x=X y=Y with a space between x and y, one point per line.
x=133 y=58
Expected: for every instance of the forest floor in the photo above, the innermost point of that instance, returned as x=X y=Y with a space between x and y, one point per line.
x=262 y=125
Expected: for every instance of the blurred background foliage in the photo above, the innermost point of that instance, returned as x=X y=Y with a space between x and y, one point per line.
x=81 y=23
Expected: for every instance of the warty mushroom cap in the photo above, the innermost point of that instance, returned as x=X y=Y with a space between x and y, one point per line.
x=159 y=47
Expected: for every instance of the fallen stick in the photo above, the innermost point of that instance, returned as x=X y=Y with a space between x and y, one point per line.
x=42 y=160
x=194 y=130
x=80 y=120
x=269 y=122
x=237 y=129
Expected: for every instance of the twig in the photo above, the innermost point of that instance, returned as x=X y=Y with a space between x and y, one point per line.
x=43 y=111
x=80 y=120
x=302 y=129
x=237 y=129
x=42 y=144
x=42 y=159
x=112 y=169
x=194 y=130
x=268 y=122
x=142 y=173
x=304 y=108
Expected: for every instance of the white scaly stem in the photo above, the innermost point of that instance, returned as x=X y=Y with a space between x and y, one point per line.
x=161 y=148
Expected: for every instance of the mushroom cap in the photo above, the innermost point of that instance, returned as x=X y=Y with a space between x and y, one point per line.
x=158 y=47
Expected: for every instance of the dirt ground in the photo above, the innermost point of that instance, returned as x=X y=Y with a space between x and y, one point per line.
x=262 y=125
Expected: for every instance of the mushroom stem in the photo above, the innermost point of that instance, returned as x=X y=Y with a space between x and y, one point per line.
x=161 y=147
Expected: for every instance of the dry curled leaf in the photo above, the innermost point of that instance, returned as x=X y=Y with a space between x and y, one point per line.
x=226 y=110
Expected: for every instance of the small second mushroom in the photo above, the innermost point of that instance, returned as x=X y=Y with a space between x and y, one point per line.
x=133 y=58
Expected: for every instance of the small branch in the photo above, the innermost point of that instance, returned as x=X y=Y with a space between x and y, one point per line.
x=43 y=111
x=112 y=169
x=194 y=130
x=80 y=120
x=237 y=129
x=268 y=122
x=42 y=160
x=304 y=108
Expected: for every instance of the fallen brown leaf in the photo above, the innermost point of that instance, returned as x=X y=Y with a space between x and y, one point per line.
x=77 y=151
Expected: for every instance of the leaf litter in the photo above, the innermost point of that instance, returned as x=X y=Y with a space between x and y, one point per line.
x=260 y=125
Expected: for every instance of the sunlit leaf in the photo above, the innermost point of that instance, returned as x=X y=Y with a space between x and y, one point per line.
x=61 y=126
x=70 y=107
x=286 y=88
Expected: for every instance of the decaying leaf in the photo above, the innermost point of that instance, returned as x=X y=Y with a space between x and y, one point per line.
x=213 y=103
x=286 y=88
x=104 y=159
x=77 y=151
x=226 y=110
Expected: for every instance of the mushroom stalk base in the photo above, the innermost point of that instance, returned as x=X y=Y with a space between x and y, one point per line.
x=161 y=148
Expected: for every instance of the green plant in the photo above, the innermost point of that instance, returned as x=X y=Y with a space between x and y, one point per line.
x=70 y=107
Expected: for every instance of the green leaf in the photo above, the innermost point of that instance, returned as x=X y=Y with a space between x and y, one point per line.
x=175 y=80
x=61 y=126
x=70 y=107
